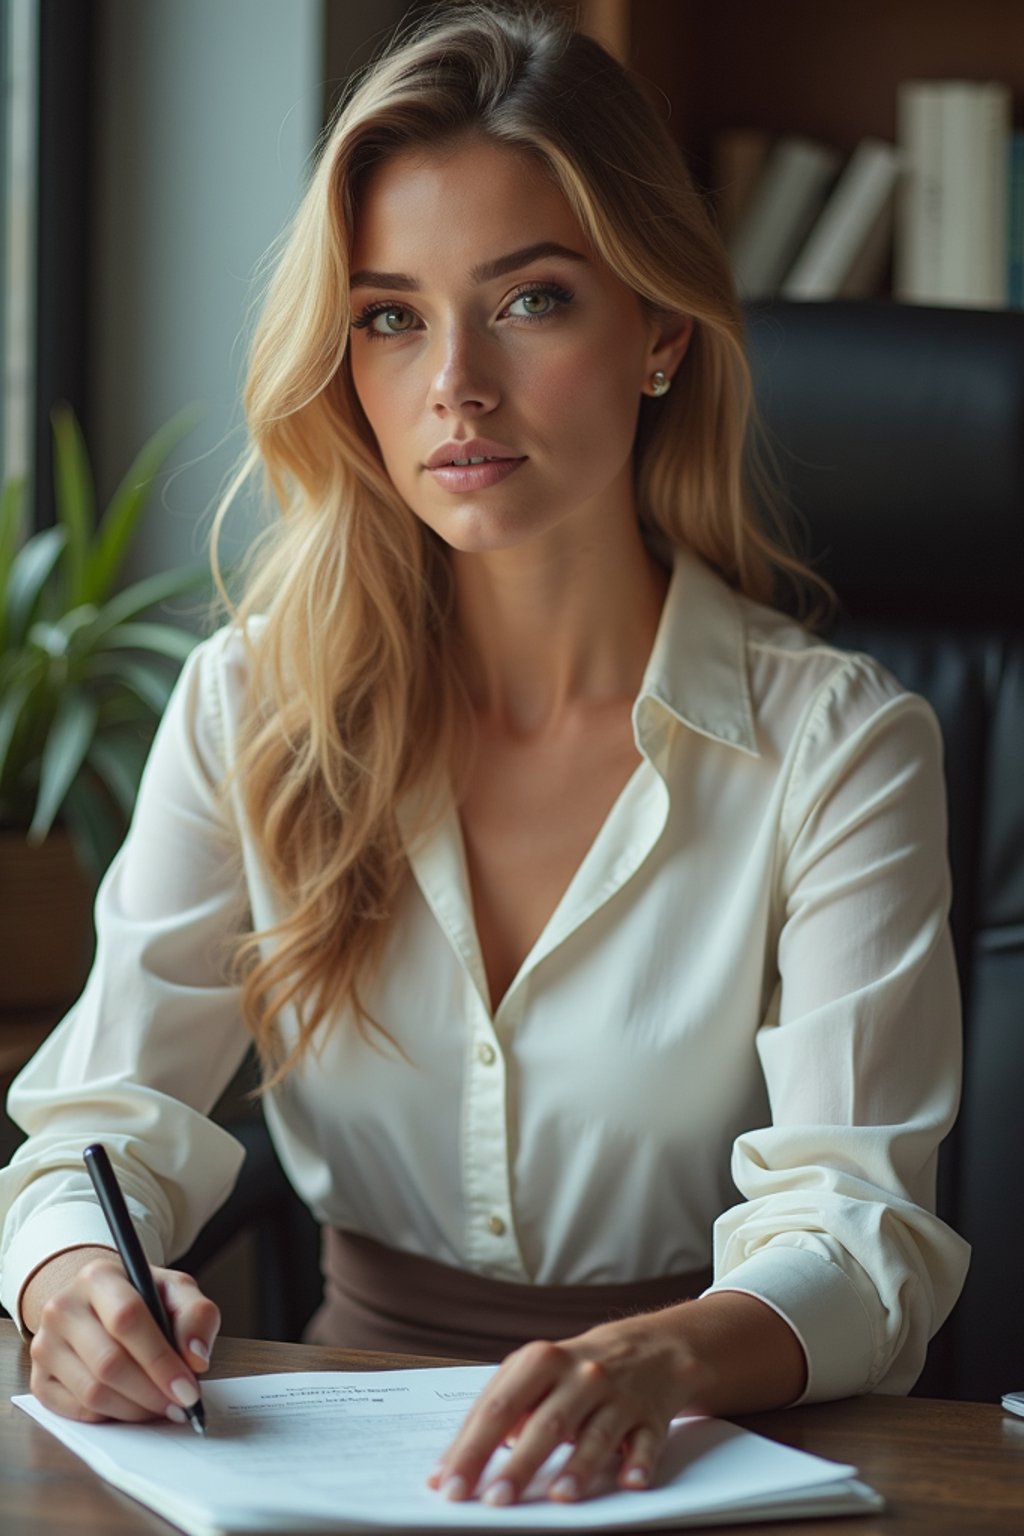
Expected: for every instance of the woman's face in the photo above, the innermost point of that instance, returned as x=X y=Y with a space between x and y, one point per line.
x=485 y=327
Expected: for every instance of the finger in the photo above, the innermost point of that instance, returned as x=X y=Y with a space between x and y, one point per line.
x=59 y=1372
x=640 y=1457
x=562 y=1416
x=516 y=1430
x=194 y=1318
x=116 y=1373
x=437 y=1476
x=55 y=1396
x=99 y=1397
x=126 y=1318
x=597 y=1445
x=45 y=1377
x=74 y=1348
x=523 y=1380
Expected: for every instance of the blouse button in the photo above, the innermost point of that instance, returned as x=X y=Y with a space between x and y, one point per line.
x=496 y=1225
x=485 y=1052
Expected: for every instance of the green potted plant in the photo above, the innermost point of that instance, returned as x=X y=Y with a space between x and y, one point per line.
x=85 y=673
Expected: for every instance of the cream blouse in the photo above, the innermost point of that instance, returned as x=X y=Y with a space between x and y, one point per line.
x=737 y=1036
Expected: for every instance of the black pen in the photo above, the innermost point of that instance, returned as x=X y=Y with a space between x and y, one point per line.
x=126 y=1240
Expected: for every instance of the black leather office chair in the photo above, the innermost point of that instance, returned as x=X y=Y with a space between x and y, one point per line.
x=900 y=432
x=284 y=1239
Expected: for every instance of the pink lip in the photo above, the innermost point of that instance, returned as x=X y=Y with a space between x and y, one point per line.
x=468 y=448
x=474 y=477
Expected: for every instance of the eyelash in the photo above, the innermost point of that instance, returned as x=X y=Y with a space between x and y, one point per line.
x=364 y=320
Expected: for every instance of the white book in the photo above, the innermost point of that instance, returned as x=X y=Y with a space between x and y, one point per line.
x=846 y=227
x=918 y=192
x=787 y=199
x=351 y=1451
x=954 y=138
x=995 y=137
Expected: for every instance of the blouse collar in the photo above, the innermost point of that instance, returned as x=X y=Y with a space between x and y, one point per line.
x=697 y=670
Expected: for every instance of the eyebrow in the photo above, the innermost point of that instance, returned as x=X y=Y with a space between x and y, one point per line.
x=483 y=272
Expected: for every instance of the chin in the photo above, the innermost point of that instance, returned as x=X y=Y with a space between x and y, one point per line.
x=478 y=531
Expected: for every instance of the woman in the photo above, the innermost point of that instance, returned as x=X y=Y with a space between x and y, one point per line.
x=588 y=914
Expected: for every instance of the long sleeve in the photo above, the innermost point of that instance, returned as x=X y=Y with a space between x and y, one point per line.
x=156 y=1035
x=860 y=1050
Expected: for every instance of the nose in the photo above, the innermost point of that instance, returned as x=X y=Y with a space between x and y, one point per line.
x=463 y=383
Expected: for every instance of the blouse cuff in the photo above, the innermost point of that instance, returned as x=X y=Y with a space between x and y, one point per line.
x=52 y=1231
x=824 y=1310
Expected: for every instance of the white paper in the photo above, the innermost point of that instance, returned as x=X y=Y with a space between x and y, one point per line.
x=346 y=1451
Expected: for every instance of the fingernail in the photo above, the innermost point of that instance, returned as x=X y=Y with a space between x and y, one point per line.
x=175 y=1414
x=454 y=1488
x=501 y=1492
x=636 y=1477
x=566 y=1488
x=199 y=1348
x=185 y=1391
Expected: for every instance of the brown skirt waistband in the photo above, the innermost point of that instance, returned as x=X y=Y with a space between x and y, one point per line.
x=378 y=1298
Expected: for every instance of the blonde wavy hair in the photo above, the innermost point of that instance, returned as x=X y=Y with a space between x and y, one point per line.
x=357 y=699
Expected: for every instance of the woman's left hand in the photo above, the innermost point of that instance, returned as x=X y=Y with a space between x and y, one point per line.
x=610 y=1392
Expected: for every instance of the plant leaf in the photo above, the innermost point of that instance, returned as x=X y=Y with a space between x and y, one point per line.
x=123 y=708
x=75 y=497
x=12 y=514
x=19 y=763
x=58 y=638
x=11 y=705
x=118 y=523
x=30 y=570
x=144 y=594
x=94 y=829
x=69 y=739
x=162 y=639
x=118 y=761
x=148 y=683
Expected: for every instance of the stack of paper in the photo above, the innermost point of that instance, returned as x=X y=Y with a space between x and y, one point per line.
x=351 y=1451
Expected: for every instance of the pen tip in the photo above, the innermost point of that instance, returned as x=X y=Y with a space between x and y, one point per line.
x=198 y=1425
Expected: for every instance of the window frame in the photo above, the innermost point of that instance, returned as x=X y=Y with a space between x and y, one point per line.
x=67 y=32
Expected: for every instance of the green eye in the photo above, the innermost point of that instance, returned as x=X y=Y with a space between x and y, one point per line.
x=383 y=320
x=395 y=320
x=536 y=303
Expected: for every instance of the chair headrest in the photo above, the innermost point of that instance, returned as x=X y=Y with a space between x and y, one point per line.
x=899 y=432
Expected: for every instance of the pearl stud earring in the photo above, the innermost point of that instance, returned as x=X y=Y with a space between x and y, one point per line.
x=660 y=383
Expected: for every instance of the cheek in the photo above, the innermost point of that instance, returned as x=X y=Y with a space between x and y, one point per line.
x=584 y=401
x=381 y=398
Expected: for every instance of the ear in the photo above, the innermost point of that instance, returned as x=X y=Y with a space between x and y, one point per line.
x=670 y=338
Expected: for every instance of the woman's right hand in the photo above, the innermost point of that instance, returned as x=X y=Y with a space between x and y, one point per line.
x=96 y=1351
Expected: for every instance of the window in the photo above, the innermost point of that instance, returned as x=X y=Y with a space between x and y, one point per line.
x=19 y=37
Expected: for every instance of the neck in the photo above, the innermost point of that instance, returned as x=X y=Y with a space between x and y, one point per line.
x=551 y=630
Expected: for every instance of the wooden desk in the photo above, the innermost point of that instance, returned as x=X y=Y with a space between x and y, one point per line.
x=947 y=1469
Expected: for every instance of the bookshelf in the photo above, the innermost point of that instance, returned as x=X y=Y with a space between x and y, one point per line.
x=829 y=73
x=827 y=70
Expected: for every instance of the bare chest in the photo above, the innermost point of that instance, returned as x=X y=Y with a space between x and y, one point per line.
x=531 y=813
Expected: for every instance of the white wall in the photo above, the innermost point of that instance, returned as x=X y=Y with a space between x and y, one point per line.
x=207 y=113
